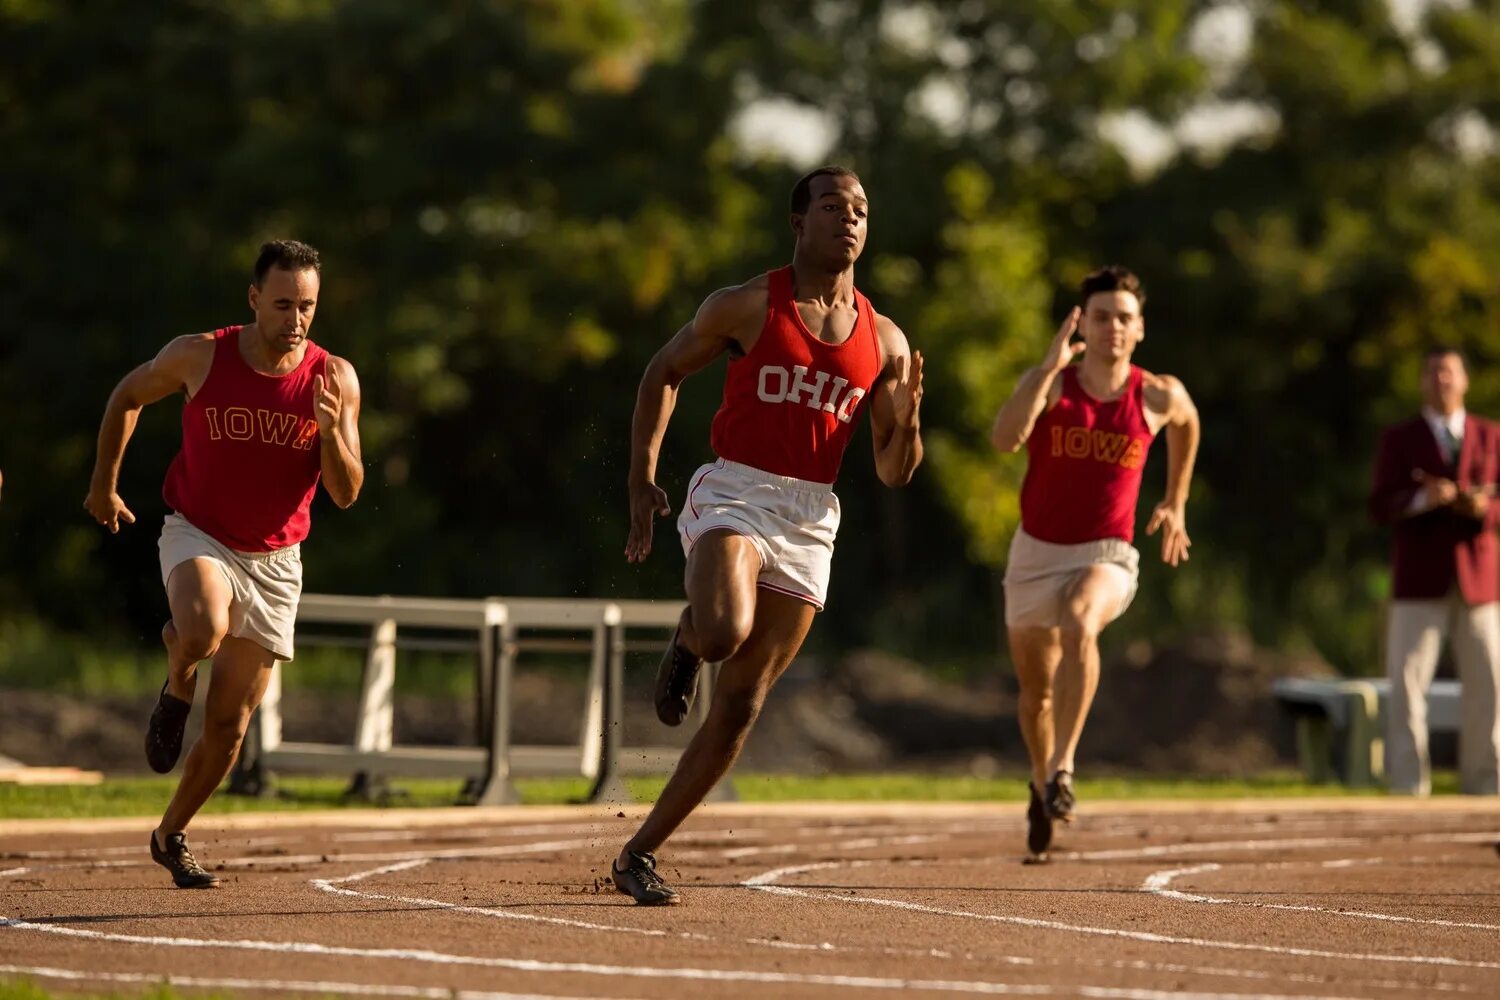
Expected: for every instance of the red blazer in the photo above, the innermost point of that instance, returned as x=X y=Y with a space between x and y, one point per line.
x=1435 y=548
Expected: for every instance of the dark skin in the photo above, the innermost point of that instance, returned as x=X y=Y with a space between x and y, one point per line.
x=754 y=633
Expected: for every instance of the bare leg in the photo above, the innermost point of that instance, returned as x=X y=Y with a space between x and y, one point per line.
x=721 y=593
x=199 y=597
x=1088 y=605
x=241 y=671
x=781 y=623
x=1036 y=652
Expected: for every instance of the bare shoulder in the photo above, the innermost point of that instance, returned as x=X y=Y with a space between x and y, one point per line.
x=342 y=370
x=730 y=310
x=190 y=345
x=190 y=354
x=1163 y=393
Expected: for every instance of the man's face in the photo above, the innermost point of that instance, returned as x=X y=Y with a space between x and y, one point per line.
x=284 y=305
x=1112 y=324
x=1444 y=382
x=836 y=221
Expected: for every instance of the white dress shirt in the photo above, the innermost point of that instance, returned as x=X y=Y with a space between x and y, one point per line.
x=1437 y=422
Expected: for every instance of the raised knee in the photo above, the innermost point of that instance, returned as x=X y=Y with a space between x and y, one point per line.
x=200 y=640
x=1078 y=628
x=720 y=639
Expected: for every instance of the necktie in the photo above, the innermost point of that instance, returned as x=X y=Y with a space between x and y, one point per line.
x=1453 y=443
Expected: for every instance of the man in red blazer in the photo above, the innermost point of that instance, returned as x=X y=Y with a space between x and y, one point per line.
x=1434 y=483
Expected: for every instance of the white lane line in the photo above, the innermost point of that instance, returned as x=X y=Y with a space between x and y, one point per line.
x=766 y=883
x=332 y=885
x=250 y=861
x=828 y=947
x=858 y=844
x=1160 y=850
x=1159 y=884
x=645 y=972
x=318 y=987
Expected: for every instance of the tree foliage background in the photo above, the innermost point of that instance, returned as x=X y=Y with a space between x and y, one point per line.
x=518 y=202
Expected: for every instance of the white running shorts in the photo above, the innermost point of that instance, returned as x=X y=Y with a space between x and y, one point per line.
x=791 y=523
x=266 y=586
x=1038 y=575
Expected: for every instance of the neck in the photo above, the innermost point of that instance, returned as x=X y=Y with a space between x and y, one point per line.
x=815 y=281
x=1106 y=373
x=257 y=355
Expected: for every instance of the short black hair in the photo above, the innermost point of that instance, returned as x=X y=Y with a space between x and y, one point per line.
x=1442 y=351
x=289 y=255
x=802 y=190
x=1112 y=278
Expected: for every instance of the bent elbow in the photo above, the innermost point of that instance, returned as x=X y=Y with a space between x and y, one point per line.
x=344 y=499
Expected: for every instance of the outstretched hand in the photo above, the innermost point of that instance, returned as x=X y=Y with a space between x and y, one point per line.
x=328 y=401
x=907 y=396
x=647 y=502
x=1172 y=520
x=1062 y=350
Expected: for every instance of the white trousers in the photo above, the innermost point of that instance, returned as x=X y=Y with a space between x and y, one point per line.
x=1414 y=637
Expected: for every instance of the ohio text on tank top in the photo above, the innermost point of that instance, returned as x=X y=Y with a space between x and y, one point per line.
x=791 y=404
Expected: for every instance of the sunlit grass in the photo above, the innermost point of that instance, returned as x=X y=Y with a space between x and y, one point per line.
x=146 y=796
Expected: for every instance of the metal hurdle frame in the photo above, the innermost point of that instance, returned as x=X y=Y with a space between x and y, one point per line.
x=493 y=760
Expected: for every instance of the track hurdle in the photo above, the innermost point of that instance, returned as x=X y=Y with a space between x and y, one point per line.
x=496 y=629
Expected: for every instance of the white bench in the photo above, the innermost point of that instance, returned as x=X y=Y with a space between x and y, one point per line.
x=1341 y=724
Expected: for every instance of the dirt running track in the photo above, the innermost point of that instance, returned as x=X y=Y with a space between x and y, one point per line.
x=1370 y=898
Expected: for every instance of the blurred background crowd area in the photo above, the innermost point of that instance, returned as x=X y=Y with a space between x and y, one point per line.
x=518 y=202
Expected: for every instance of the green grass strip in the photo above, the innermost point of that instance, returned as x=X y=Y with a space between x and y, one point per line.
x=147 y=796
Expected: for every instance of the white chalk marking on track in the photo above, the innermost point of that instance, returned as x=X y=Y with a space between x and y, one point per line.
x=1159 y=884
x=276 y=985
x=332 y=885
x=250 y=861
x=1162 y=850
x=766 y=883
x=642 y=972
x=713 y=975
x=416 y=859
x=14 y=871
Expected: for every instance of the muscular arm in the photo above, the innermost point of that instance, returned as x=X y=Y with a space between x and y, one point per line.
x=1183 y=432
x=721 y=321
x=337 y=405
x=181 y=366
x=1169 y=407
x=895 y=408
x=1037 y=391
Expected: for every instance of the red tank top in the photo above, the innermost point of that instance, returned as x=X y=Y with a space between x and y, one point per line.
x=250 y=457
x=1083 y=476
x=790 y=404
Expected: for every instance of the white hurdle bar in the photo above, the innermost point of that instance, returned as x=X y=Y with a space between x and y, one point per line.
x=491 y=762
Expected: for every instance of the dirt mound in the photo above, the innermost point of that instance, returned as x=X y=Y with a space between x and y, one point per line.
x=1200 y=706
